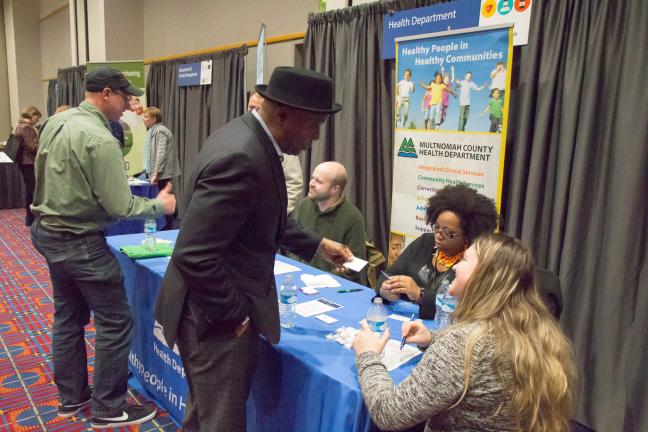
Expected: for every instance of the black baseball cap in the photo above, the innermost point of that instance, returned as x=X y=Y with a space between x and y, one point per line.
x=101 y=77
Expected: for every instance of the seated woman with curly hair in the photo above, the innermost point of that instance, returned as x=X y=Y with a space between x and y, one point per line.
x=457 y=215
x=503 y=365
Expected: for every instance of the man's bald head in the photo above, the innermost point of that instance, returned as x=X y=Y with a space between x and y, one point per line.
x=255 y=102
x=327 y=183
x=335 y=172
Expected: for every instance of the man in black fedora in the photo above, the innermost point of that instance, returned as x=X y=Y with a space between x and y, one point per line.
x=218 y=293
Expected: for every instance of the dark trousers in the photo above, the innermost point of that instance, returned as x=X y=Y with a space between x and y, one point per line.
x=494 y=123
x=170 y=219
x=86 y=277
x=29 y=178
x=464 y=112
x=219 y=371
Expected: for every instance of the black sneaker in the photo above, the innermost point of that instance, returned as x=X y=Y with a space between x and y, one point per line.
x=131 y=415
x=71 y=409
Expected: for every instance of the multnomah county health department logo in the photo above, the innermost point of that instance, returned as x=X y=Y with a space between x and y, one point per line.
x=407 y=149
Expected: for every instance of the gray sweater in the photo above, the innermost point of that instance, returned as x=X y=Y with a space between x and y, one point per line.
x=436 y=384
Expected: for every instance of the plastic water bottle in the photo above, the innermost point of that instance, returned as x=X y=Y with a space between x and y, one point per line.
x=150 y=229
x=445 y=305
x=287 y=302
x=377 y=316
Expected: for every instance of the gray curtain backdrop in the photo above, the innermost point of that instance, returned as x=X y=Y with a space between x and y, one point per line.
x=193 y=113
x=576 y=170
x=577 y=187
x=345 y=45
x=52 y=96
x=71 y=90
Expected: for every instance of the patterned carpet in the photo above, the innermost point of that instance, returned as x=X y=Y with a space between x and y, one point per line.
x=28 y=397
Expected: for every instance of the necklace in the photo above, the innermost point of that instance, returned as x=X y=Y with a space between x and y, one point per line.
x=449 y=261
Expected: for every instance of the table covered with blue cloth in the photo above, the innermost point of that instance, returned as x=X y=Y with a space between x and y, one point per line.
x=132 y=226
x=305 y=383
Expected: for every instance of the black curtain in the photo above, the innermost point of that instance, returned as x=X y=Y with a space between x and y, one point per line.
x=576 y=170
x=71 y=90
x=193 y=113
x=345 y=45
x=577 y=187
x=52 y=96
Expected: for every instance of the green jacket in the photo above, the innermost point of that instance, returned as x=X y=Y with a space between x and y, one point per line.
x=343 y=223
x=81 y=181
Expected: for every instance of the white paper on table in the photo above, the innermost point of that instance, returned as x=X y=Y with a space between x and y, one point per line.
x=316 y=307
x=158 y=240
x=308 y=290
x=356 y=264
x=282 y=267
x=320 y=281
x=398 y=317
x=393 y=357
x=326 y=318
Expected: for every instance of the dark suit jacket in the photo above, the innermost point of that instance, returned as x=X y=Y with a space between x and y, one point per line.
x=223 y=260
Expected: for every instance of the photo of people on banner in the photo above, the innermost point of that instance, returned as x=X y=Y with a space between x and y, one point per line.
x=453 y=83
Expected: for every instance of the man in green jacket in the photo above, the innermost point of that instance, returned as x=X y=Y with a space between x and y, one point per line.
x=328 y=213
x=82 y=186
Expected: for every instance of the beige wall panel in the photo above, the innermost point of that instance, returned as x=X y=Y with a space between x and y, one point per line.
x=124 y=30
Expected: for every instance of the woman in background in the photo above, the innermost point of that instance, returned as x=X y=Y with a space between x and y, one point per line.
x=457 y=215
x=26 y=130
x=504 y=364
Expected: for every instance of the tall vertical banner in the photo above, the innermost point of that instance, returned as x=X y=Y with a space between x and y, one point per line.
x=451 y=114
x=132 y=121
x=260 y=69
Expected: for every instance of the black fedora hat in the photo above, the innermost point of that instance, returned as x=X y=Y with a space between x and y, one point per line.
x=300 y=88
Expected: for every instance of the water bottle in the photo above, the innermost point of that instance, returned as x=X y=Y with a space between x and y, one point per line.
x=150 y=229
x=377 y=316
x=287 y=302
x=445 y=305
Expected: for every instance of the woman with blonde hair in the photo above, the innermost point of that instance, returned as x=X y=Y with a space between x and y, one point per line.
x=503 y=365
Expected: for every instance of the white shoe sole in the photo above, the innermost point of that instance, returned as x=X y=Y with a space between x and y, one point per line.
x=125 y=423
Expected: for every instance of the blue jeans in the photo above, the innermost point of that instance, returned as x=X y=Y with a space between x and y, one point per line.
x=86 y=277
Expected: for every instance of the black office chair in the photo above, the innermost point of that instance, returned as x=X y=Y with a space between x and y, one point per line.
x=549 y=287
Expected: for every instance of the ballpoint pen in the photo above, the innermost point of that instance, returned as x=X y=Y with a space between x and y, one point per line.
x=385 y=274
x=405 y=337
x=350 y=290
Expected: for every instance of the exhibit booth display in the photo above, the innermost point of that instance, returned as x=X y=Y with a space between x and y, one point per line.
x=451 y=116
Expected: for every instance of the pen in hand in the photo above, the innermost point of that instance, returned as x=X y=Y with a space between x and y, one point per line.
x=405 y=337
x=385 y=274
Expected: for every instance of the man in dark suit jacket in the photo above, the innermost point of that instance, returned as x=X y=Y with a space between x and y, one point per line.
x=218 y=292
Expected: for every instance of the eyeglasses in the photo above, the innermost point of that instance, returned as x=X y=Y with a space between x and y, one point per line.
x=445 y=232
x=124 y=97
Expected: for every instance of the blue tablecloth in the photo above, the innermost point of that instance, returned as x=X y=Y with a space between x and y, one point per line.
x=304 y=383
x=133 y=226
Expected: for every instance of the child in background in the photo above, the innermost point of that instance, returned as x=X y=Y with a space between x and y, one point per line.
x=426 y=107
x=465 y=87
x=436 y=98
x=498 y=78
x=494 y=110
x=403 y=90
x=445 y=96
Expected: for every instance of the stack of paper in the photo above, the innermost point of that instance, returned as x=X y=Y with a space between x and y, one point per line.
x=320 y=281
x=282 y=267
